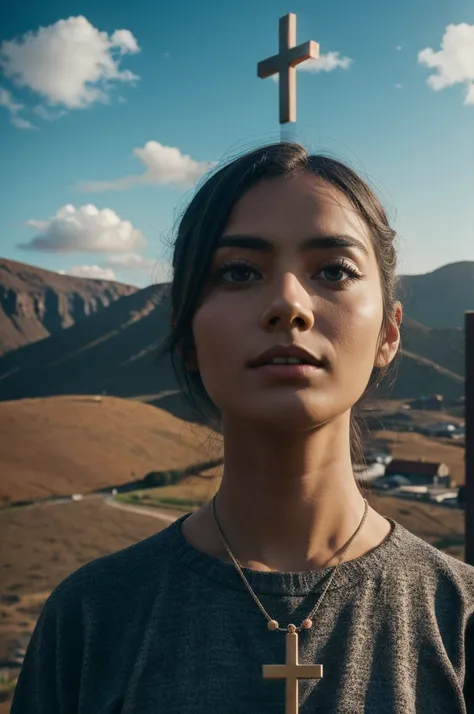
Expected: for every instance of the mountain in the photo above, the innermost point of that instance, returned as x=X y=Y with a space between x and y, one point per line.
x=417 y=376
x=445 y=346
x=36 y=303
x=88 y=356
x=114 y=351
x=440 y=298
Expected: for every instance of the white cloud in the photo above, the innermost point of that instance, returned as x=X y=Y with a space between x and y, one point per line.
x=399 y=86
x=454 y=62
x=159 y=271
x=13 y=107
x=470 y=95
x=130 y=260
x=399 y=48
x=89 y=271
x=84 y=229
x=164 y=165
x=6 y=100
x=70 y=63
x=48 y=115
x=21 y=123
x=324 y=63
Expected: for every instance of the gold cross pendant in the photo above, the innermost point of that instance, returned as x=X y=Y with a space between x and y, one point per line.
x=292 y=671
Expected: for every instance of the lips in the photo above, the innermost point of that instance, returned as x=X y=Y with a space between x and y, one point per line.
x=286 y=351
x=288 y=371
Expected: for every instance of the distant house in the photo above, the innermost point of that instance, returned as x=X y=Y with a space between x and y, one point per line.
x=421 y=472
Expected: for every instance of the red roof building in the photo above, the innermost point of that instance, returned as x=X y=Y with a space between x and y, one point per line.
x=421 y=472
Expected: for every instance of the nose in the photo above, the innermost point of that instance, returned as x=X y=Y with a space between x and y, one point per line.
x=290 y=306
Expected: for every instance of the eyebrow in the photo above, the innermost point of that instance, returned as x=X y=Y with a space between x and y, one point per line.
x=325 y=242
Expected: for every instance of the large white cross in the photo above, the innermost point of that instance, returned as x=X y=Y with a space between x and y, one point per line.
x=284 y=64
x=292 y=671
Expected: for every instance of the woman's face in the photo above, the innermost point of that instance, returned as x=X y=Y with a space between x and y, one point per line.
x=325 y=298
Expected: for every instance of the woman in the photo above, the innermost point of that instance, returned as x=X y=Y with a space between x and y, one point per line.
x=283 y=313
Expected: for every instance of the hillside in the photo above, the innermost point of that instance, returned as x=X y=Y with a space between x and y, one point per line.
x=36 y=303
x=114 y=351
x=79 y=444
x=440 y=298
x=445 y=346
x=418 y=375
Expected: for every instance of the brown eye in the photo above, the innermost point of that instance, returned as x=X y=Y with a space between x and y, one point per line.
x=239 y=272
x=337 y=273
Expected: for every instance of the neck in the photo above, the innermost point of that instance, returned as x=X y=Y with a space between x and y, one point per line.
x=289 y=502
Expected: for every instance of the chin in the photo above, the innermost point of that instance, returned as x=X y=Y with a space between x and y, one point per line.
x=295 y=412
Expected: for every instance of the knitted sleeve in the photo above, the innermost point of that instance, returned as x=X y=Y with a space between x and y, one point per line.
x=468 y=690
x=50 y=675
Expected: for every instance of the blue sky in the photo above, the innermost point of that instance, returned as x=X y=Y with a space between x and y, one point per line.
x=110 y=113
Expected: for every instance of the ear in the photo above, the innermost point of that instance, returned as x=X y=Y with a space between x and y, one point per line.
x=389 y=347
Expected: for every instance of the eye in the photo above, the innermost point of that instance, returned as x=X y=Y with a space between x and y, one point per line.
x=336 y=271
x=240 y=268
x=240 y=271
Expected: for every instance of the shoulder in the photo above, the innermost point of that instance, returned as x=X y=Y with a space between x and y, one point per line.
x=428 y=567
x=83 y=621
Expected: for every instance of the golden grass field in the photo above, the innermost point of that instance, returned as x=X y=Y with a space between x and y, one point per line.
x=70 y=444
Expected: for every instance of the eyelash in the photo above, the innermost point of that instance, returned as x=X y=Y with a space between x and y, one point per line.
x=340 y=263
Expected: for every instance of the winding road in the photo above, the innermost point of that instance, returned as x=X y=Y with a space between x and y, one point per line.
x=166 y=515
x=143 y=510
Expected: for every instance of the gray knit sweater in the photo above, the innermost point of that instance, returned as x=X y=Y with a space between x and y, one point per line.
x=161 y=628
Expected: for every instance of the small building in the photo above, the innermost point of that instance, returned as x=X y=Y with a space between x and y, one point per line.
x=421 y=472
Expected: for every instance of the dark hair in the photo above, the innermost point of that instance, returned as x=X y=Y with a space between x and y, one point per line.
x=204 y=221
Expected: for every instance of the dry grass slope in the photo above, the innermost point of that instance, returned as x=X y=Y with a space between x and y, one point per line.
x=75 y=444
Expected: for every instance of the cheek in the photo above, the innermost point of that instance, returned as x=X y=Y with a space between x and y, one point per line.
x=219 y=337
x=357 y=328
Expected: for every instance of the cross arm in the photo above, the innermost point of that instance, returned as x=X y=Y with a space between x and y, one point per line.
x=274 y=671
x=267 y=67
x=308 y=50
x=292 y=57
x=300 y=671
x=309 y=671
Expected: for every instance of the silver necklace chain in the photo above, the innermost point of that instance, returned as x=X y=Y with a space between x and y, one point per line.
x=308 y=619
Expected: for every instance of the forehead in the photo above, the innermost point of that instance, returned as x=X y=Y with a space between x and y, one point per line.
x=298 y=205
